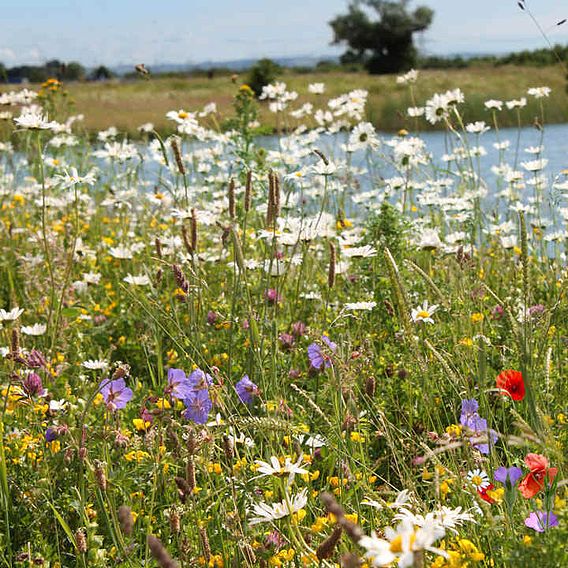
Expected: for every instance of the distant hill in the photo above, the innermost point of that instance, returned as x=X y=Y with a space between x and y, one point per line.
x=235 y=64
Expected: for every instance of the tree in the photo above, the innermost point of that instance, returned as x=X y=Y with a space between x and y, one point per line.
x=101 y=73
x=383 y=45
x=262 y=73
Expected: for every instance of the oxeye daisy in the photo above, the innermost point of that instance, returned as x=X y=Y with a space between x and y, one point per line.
x=423 y=313
x=479 y=479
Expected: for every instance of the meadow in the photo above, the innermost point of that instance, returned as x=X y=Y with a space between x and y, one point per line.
x=204 y=361
x=126 y=104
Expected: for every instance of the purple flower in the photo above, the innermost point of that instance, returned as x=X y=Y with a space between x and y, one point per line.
x=298 y=328
x=246 y=390
x=471 y=420
x=115 y=393
x=272 y=296
x=513 y=474
x=32 y=384
x=211 y=317
x=198 y=405
x=286 y=340
x=179 y=386
x=200 y=380
x=36 y=360
x=540 y=521
x=51 y=434
x=318 y=358
x=468 y=411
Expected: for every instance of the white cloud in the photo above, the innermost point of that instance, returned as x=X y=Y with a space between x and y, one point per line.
x=7 y=55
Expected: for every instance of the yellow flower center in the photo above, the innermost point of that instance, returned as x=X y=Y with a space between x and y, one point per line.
x=476 y=480
x=423 y=314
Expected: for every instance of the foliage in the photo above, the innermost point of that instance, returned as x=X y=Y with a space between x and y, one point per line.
x=384 y=45
x=262 y=73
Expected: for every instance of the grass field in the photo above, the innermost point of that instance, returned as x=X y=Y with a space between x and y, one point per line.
x=207 y=360
x=128 y=104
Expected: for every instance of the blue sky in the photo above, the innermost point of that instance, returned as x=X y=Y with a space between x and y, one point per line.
x=112 y=32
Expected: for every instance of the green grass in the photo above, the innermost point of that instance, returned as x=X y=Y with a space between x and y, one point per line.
x=386 y=398
x=128 y=104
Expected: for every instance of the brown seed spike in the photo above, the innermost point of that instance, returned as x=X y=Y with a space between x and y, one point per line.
x=159 y=552
x=125 y=519
x=232 y=212
x=326 y=548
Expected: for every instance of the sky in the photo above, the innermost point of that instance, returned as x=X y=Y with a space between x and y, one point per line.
x=112 y=32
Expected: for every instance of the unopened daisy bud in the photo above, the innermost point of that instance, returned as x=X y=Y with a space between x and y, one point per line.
x=205 y=543
x=125 y=519
x=160 y=553
x=232 y=212
x=175 y=521
x=81 y=541
x=370 y=386
x=177 y=156
x=331 y=269
x=100 y=476
x=248 y=191
x=326 y=548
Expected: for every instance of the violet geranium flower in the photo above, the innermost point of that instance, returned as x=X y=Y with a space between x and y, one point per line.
x=319 y=359
x=115 y=393
x=246 y=390
x=200 y=380
x=179 y=386
x=198 y=405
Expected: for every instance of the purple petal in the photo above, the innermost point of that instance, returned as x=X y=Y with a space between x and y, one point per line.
x=515 y=473
x=540 y=521
x=501 y=474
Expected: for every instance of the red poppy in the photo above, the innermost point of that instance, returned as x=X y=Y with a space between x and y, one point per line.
x=533 y=482
x=511 y=383
x=483 y=493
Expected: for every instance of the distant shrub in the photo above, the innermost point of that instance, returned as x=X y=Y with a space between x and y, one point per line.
x=262 y=73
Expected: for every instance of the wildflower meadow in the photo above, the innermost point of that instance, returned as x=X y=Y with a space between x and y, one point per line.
x=325 y=347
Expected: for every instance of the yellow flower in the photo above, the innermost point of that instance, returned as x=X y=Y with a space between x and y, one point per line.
x=476 y=317
x=496 y=494
x=454 y=430
x=357 y=437
x=140 y=424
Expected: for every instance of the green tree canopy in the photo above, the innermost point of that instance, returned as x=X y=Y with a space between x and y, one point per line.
x=380 y=34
